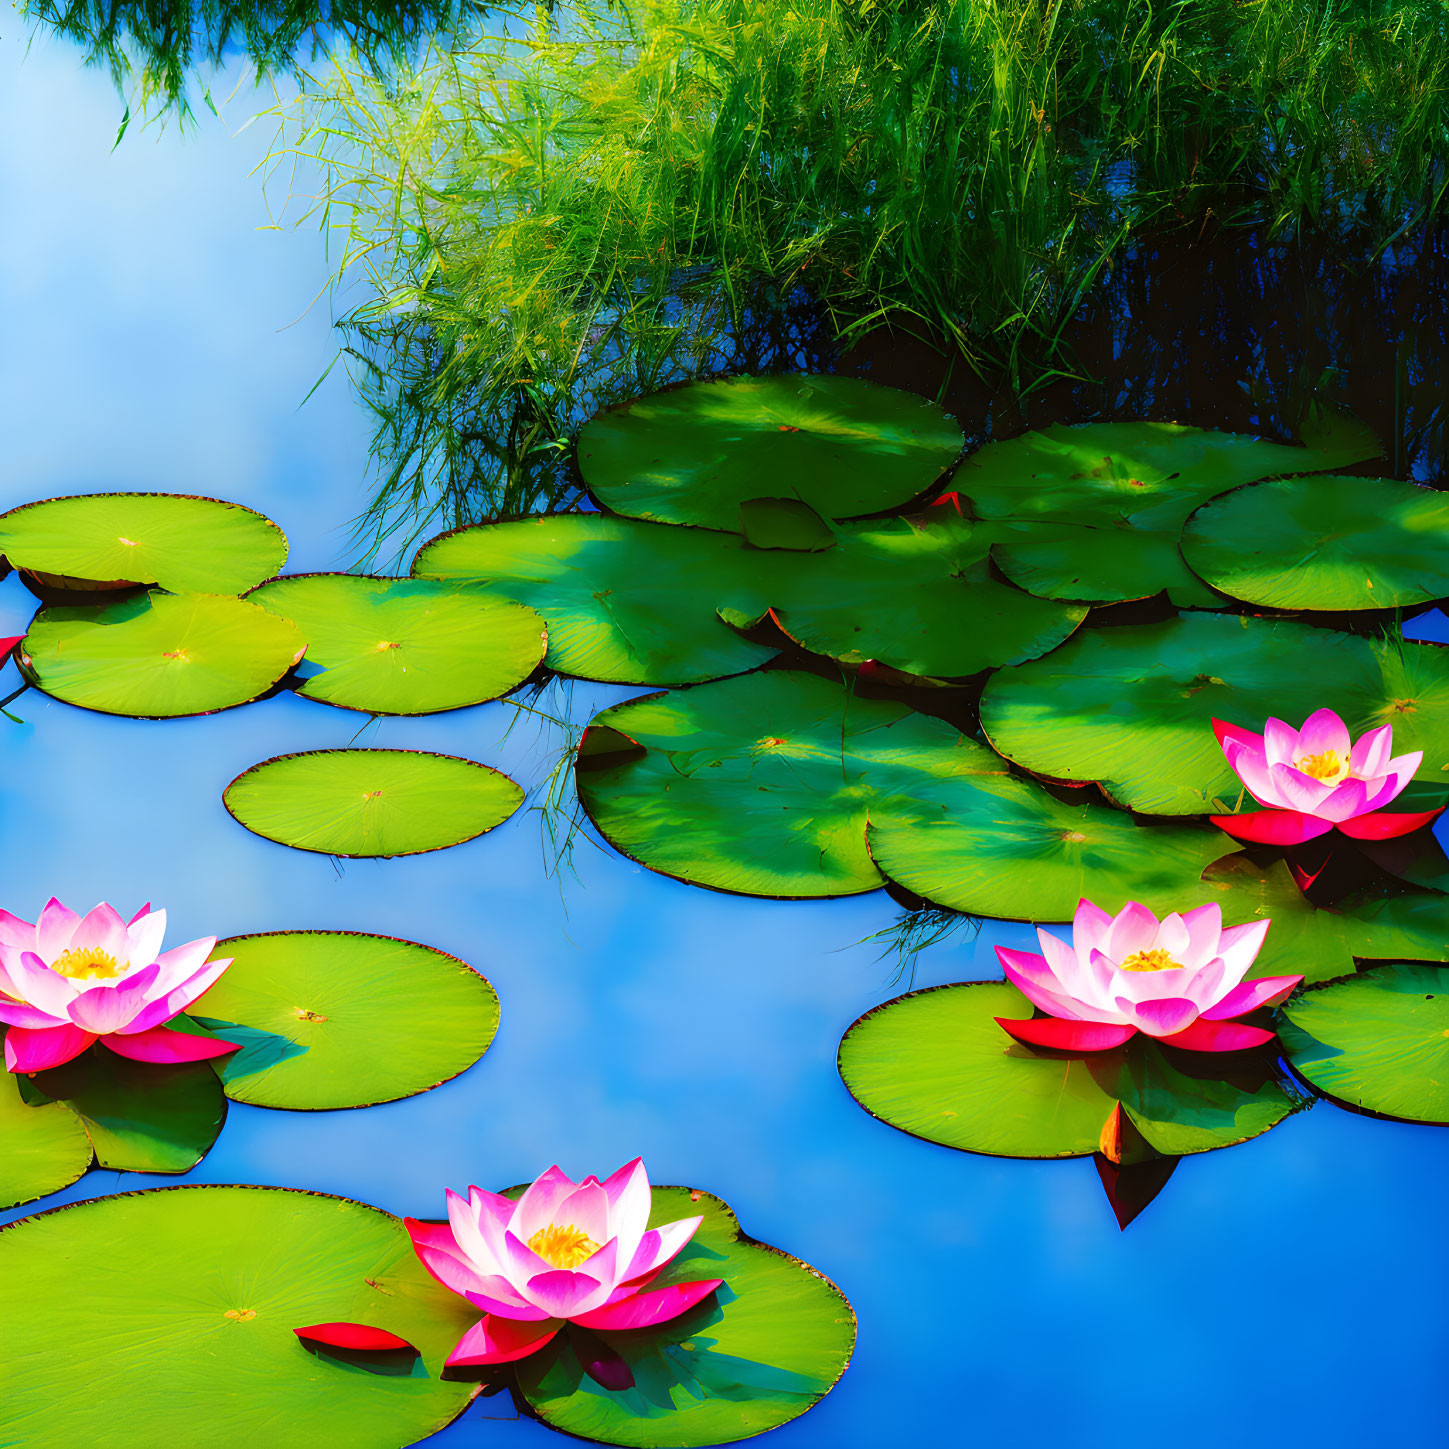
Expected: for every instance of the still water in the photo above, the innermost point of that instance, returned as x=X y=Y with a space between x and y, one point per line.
x=1287 y=1291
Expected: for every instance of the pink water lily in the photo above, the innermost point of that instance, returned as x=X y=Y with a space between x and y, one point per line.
x=575 y=1252
x=1316 y=778
x=1179 y=980
x=68 y=980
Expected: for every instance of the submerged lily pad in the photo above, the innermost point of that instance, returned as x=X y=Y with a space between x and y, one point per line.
x=159 y=656
x=1324 y=543
x=1378 y=1041
x=370 y=1018
x=917 y=595
x=760 y=784
x=43 y=1148
x=405 y=646
x=624 y=602
x=371 y=802
x=694 y=454
x=1114 y=498
x=183 y=543
x=770 y=1345
x=935 y=1063
x=199 y=1289
x=1132 y=707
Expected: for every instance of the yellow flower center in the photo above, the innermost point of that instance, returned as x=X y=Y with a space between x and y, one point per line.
x=1154 y=960
x=87 y=963
x=1326 y=766
x=562 y=1245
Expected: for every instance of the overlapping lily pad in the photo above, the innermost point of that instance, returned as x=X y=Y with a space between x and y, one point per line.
x=42 y=1148
x=1324 y=543
x=1108 y=500
x=405 y=646
x=935 y=1063
x=916 y=594
x=159 y=656
x=761 y=784
x=183 y=543
x=624 y=602
x=694 y=454
x=771 y=1343
x=1377 y=1041
x=371 y=802
x=174 y=1309
x=340 y=1019
x=1131 y=707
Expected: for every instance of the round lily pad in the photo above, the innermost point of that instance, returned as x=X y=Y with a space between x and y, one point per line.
x=1102 y=505
x=371 y=802
x=1377 y=1042
x=917 y=595
x=43 y=1148
x=694 y=454
x=769 y=1345
x=995 y=845
x=198 y=1290
x=405 y=646
x=339 y=1019
x=159 y=656
x=1132 y=707
x=624 y=602
x=761 y=784
x=935 y=1063
x=184 y=544
x=1324 y=543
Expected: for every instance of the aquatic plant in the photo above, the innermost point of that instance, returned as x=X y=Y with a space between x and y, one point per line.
x=1178 y=980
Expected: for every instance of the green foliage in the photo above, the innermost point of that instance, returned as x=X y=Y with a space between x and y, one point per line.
x=585 y=202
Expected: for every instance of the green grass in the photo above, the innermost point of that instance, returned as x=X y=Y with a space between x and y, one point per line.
x=581 y=204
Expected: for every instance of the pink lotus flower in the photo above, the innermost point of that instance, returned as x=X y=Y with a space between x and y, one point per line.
x=1316 y=778
x=1179 y=979
x=564 y=1252
x=67 y=981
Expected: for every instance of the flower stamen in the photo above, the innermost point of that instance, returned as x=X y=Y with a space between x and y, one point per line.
x=1324 y=766
x=562 y=1245
x=1154 y=960
x=87 y=963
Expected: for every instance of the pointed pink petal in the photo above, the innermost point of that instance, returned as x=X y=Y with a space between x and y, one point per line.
x=1204 y=933
x=352 y=1335
x=1054 y=1003
x=1073 y=975
x=1383 y=826
x=1250 y=995
x=1255 y=774
x=501 y=1340
x=1218 y=1036
x=1244 y=738
x=1272 y=827
x=497 y=1295
x=1090 y=928
x=1163 y=1017
x=446 y=1264
x=1067 y=1036
x=40 y=986
x=1298 y=791
x=629 y=1201
x=1369 y=758
x=15 y=932
x=161 y=1044
x=587 y=1208
x=644 y=1310
x=659 y=1246
x=53 y=929
x=562 y=1293
x=1344 y=801
x=1323 y=730
x=141 y=914
x=144 y=934
x=103 y=928
x=36 y=1051
x=536 y=1207
x=1280 y=743
x=1134 y=928
x=181 y=963
x=102 y=1009
x=1239 y=947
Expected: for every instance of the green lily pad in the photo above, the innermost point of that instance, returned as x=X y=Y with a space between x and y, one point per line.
x=159 y=656
x=624 y=602
x=140 y=1116
x=42 y=1148
x=694 y=454
x=1377 y=1042
x=371 y=802
x=760 y=784
x=198 y=1290
x=1131 y=707
x=184 y=544
x=995 y=845
x=1114 y=497
x=1324 y=543
x=371 y=1018
x=405 y=646
x=917 y=595
x=934 y=1063
x=772 y=1344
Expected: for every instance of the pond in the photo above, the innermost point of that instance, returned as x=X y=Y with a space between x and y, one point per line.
x=1288 y=1289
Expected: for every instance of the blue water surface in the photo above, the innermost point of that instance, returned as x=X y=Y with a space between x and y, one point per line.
x=157 y=336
